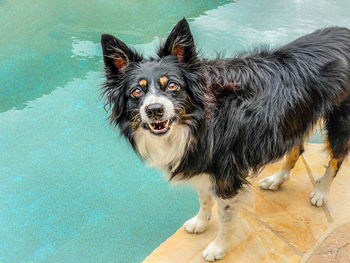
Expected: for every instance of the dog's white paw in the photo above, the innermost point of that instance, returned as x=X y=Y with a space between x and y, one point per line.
x=196 y=225
x=319 y=196
x=273 y=182
x=214 y=251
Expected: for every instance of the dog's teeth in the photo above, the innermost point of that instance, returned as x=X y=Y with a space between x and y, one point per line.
x=159 y=125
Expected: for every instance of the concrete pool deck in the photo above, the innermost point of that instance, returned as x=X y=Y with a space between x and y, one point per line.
x=284 y=226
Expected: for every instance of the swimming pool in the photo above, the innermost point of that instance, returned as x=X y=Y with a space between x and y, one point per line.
x=71 y=189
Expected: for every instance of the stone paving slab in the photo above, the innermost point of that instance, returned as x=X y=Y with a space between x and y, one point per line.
x=284 y=226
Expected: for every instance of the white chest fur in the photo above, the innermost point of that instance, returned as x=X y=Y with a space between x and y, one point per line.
x=163 y=151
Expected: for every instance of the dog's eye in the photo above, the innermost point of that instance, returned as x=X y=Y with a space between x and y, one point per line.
x=173 y=86
x=137 y=92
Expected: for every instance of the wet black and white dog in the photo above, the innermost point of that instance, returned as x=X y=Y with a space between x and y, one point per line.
x=211 y=122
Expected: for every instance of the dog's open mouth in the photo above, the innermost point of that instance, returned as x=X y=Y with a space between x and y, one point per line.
x=159 y=127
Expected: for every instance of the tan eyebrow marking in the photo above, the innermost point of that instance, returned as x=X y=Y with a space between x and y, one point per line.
x=163 y=80
x=143 y=83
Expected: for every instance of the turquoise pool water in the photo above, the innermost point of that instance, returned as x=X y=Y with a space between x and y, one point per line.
x=72 y=190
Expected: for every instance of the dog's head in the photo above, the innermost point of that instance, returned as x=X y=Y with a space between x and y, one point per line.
x=153 y=94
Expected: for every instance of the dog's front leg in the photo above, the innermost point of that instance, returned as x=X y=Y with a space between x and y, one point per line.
x=200 y=222
x=228 y=210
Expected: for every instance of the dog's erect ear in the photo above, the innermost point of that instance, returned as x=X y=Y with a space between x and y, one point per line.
x=116 y=54
x=179 y=43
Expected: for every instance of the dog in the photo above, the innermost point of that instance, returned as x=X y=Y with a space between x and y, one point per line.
x=212 y=122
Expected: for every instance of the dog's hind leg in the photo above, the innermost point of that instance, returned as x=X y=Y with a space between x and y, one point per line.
x=319 y=195
x=273 y=182
x=200 y=222
x=338 y=135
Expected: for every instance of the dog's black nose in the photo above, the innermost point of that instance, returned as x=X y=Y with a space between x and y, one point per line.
x=155 y=110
